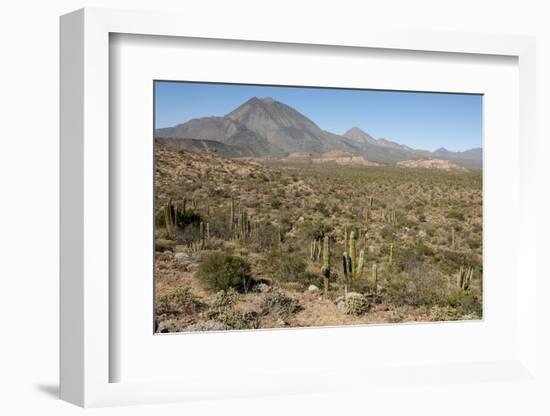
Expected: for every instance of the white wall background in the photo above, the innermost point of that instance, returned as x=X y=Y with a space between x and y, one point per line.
x=29 y=182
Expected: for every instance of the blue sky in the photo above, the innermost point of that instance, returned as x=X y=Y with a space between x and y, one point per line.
x=419 y=120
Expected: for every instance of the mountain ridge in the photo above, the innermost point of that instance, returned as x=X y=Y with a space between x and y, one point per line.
x=267 y=127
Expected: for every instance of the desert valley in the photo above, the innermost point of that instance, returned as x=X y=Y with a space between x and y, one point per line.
x=265 y=220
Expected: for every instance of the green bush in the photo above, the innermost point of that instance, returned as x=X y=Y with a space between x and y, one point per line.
x=457 y=215
x=219 y=271
x=276 y=204
x=313 y=230
x=279 y=305
x=466 y=302
x=290 y=268
x=419 y=287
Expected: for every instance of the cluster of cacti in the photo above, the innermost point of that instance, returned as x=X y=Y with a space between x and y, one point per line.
x=170 y=218
x=232 y=213
x=194 y=246
x=239 y=223
x=325 y=270
x=464 y=277
x=243 y=227
x=389 y=216
x=315 y=249
x=204 y=234
x=352 y=264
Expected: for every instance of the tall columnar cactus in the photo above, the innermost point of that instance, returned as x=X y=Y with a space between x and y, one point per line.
x=325 y=270
x=202 y=234
x=169 y=219
x=315 y=250
x=232 y=214
x=360 y=264
x=345 y=238
x=464 y=277
x=352 y=251
x=346 y=266
x=374 y=278
x=353 y=265
x=390 y=256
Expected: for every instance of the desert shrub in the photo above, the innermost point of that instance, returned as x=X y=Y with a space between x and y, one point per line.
x=457 y=215
x=220 y=271
x=427 y=287
x=179 y=301
x=277 y=304
x=290 y=268
x=223 y=310
x=322 y=208
x=266 y=236
x=444 y=313
x=474 y=243
x=276 y=204
x=408 y=257
x=450 y=261
x=395 y=288
x=388 y=233
x=420 y=286
x=313 y=230
x=467 y=302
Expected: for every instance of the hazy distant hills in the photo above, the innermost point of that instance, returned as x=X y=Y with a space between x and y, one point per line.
x=266 y=127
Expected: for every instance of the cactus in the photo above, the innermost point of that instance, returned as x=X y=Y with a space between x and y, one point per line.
x=325 y=270
x=374 y=279
x=202 y=234
x=360 y=264
x=315 y=250
x=464 y=278
x=352 y=252
x=393 y=218
x=242 y=230
x=346 y=268
x=232 y=214
x=169 y=219
x=353 y=266
x=390 y=256
x=345 y=237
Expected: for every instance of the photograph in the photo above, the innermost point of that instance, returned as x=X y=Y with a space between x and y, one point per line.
x=292 y=206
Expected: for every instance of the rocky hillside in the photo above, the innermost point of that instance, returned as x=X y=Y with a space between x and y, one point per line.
x=429 y=164
x=334 y=156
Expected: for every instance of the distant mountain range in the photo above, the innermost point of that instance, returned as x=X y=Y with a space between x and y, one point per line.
x=266 y=127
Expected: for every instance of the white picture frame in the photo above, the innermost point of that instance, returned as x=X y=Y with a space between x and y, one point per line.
x=87 y=356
